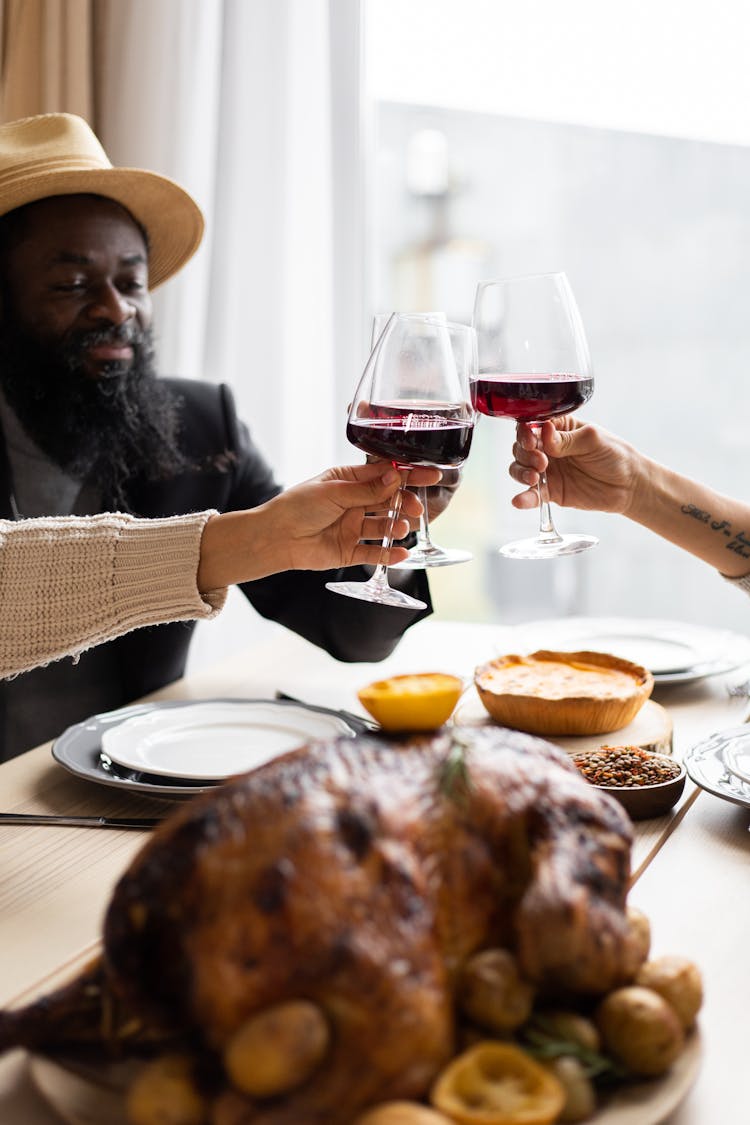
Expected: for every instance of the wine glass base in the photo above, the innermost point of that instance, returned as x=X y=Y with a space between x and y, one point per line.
x=420 y=557
x=538 y=548
x=365 y=592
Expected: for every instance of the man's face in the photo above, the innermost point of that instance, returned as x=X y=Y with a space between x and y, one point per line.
x=77 y=281
x=76 y=351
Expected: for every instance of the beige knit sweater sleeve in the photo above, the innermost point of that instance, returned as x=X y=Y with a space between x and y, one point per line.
x=72 y=582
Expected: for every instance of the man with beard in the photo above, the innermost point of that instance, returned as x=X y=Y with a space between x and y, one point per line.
x=88 y=427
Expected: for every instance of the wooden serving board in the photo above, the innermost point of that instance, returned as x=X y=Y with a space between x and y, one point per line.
x=651 y=729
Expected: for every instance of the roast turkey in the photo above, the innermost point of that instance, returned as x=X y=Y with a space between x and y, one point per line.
x=358 y=874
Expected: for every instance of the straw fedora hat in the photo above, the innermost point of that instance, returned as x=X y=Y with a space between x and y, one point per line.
x=58 y=154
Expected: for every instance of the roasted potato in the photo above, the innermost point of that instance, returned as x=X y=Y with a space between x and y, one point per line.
x=492 y=992
x=165 y=1093
x=572 y=1027
x=580 y=1096
x=679 y=981
x=640 y=1029
x=639 y=944
x=277 y=1049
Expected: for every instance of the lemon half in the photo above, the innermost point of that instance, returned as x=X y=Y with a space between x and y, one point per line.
x=419 y=701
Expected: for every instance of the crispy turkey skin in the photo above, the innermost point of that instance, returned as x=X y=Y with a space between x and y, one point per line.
x=360 y=874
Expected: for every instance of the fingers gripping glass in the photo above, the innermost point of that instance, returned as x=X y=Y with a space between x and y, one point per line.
x=533 y=365
x=426 y=552
x=412 y=407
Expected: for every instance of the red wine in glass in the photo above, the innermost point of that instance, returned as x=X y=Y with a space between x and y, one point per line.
x=410 y=437
x=412 y=407
x=530 y=398
x=533 y=365
x=425 y=552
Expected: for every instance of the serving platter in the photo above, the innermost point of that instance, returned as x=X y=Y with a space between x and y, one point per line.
x=285 y=724
x=86 y=1093
x=652 y=728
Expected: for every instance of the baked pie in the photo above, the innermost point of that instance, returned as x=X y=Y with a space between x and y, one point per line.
x=563 y=693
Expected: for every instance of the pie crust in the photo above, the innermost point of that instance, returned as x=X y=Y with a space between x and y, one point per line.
x=563 y=693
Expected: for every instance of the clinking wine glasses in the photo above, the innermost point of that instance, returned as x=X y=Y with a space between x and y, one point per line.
x=412 y=407
x=533 y=365
x=425 y=552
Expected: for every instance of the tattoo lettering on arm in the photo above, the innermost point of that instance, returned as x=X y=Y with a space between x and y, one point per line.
x=696 y=513
x=740 y=544
x=739 y=541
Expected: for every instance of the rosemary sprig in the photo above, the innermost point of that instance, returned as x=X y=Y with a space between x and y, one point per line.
x=455 y=779
x=540 y=1039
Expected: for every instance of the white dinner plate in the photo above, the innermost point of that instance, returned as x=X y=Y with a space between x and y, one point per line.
x=79 y=748
x=211 y=741
x=706 y=763
x=735 y=752
x=675 y=652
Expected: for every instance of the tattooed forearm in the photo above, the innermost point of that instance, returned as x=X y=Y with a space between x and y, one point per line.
x=738 y=541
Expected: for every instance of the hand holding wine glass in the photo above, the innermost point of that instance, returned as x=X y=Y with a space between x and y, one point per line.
x=533 y=365
x=586 y=466
x=412 y=407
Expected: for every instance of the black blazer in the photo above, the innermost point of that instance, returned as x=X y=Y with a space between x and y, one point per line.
x=150 y=658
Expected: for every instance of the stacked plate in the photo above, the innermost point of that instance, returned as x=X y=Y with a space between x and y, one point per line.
x=182 y=748
x=675 y=652
x=721 y=765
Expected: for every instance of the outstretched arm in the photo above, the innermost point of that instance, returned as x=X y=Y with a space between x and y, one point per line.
x=588 y=467
x=317 y=525
x=69 y=583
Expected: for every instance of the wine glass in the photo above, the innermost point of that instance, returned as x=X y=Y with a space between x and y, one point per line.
x=425 y=552
x=533 y=365
x=412 y=406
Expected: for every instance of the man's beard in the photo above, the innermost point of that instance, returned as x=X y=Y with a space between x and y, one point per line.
x=110 y=429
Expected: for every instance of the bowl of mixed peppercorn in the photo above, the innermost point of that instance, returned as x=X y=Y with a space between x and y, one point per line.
x=645 y=784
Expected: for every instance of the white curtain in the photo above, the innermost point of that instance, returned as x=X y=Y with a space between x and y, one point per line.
x=244 y=103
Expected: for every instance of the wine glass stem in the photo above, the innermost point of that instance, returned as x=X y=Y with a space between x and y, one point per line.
x=380 y=574
x=547 y=529
x=424 y=543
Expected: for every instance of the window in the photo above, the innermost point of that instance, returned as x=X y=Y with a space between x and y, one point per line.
x=510 y=139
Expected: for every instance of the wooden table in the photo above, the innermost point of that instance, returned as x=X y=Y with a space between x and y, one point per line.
x=692 y=868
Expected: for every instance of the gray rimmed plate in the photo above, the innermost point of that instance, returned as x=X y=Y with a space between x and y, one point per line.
x=79 y=748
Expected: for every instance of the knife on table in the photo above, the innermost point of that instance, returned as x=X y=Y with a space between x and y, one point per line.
x=80 y=821
x=358 y=722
